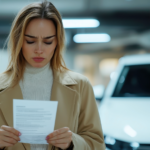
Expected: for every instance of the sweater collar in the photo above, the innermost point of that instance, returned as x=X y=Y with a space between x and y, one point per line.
x=33 y=70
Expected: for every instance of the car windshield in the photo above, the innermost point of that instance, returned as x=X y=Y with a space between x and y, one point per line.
x=134 y=81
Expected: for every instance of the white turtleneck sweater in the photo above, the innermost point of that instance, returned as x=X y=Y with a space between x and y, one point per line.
x=37 y=85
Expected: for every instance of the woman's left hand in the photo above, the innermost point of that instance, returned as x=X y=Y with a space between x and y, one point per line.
x=61 y=138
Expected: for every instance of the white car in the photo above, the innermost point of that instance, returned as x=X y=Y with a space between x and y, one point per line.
x=125 y=108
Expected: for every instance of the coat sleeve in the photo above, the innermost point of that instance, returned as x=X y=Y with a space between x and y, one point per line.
x=2 y=122
x=89 y=135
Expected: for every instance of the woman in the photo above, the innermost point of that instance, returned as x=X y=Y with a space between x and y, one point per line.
x=37 y=71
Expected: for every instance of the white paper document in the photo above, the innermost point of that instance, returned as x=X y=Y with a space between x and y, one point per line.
x=34 y=119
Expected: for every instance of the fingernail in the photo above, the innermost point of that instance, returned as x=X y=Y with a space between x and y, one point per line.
x=47 y=137
x=19 y=133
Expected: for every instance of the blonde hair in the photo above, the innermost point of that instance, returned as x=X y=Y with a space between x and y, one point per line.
x=44 y=10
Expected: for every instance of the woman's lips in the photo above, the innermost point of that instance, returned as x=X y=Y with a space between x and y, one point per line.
x=38 y=59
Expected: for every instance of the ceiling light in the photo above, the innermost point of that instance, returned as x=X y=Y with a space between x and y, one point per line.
x=91 y=38
x=80 y=23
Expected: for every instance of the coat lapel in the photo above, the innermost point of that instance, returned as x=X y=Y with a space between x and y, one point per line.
x=66 y=98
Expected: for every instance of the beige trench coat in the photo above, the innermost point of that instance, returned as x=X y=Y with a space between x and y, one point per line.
x=77 y=110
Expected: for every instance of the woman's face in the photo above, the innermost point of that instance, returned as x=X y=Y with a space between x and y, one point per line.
x=39 y=42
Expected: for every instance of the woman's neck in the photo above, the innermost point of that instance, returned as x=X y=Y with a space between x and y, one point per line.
x=33 y=70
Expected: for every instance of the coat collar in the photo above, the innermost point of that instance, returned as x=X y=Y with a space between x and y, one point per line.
x=64 y=77
x=59 y=78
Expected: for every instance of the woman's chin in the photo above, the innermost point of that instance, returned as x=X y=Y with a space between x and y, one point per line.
x=37 y=65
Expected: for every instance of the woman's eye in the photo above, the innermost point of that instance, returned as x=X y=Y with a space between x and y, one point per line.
x=30 y=42
x=45 y=42
x=48 y=43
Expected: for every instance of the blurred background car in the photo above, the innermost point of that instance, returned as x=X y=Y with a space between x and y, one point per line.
x=98 y=92
x=125 y=107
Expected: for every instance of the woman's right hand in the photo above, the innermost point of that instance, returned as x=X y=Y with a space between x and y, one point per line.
x=8 y=136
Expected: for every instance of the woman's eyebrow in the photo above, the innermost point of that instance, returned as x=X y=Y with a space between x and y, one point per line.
x=36 y=37
x=49 y=37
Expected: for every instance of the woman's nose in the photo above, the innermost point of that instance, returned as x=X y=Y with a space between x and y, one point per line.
x=39 y=48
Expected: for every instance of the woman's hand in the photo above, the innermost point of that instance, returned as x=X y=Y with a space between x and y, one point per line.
x=8 y=136
x=61 y=138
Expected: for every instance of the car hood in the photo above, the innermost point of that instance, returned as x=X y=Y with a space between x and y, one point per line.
x=126 y=119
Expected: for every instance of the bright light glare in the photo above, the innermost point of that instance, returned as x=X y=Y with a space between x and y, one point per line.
x=128 y=130
x=80 y=23
x=135 y=144
x=110 y=140
x=91 y=38
x=113 y=75
x=98 y=91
